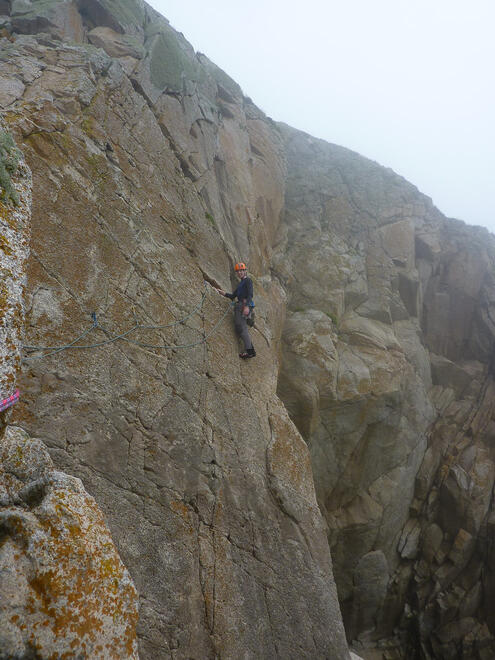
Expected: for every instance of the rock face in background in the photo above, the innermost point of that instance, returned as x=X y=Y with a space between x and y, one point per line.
x=356 y=374
x=152 y=173
x=388 y=374
x=453 y=506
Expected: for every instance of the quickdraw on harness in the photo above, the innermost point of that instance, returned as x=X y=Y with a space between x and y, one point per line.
x=250 y=319
x=9 y=401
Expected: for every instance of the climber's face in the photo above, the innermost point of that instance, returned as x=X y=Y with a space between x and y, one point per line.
x=241 y=274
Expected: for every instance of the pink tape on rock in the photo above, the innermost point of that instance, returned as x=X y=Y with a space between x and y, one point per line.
x=9 y=401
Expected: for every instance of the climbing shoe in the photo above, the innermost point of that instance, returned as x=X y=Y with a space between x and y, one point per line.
x=248 y=354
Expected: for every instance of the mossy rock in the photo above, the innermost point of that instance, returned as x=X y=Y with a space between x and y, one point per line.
x=227 y=84
x=40 y=11
x=35 y=8
x=171 y=62
x=123 y=16
x=127 y=12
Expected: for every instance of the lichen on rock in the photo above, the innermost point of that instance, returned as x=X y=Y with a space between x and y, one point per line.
x=15 y=227
x=65 y=592
x=9 y=162
x=374 y=334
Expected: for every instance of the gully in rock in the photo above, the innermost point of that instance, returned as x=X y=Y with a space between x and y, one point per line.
x=243 y=310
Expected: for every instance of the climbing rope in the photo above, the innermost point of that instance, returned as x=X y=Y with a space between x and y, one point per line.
x=9 y=401
x=191 y=345
x=124 y=336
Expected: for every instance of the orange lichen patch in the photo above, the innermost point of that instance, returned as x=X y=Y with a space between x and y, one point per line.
x=5 y=245
x=111 y=567
x=180 y=508
x=7 y=216
x=4 y=299
x=66 y=655
x=184 y=512
x=9 y=380
x=80 y=594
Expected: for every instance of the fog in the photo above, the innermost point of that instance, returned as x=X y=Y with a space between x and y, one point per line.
x=409 y=85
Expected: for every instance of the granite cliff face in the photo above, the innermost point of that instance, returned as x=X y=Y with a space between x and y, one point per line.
x=65 y=591
x=147 y=182
x=363 y=428
x=388 y=375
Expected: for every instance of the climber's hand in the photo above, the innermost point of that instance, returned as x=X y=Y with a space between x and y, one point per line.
x=245 y=310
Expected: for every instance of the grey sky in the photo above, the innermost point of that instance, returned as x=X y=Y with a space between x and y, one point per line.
x=408 y=84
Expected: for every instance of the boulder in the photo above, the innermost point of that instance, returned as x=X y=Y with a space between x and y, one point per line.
x=59 y=18
x=115 y=44
x=65 y=590
x=123 y=16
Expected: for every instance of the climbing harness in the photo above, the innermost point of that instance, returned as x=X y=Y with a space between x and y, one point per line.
x=251 y=318
x=73 y=345
x=9 y=401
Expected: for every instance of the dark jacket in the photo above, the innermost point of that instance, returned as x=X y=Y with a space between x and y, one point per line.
x=244 y=291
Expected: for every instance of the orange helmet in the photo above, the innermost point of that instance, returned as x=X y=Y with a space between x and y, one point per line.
x=240 y=266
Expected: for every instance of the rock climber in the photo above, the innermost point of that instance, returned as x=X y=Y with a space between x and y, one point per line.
x=242 y=309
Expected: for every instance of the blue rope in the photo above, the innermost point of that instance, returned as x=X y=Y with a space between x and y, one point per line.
x=124 y=336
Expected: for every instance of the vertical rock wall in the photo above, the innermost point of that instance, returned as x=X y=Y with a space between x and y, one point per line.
x=151 y=174
x=355 y=375
x=15 y=208
x=388 y=374
x=451 y=529
x=65 y=591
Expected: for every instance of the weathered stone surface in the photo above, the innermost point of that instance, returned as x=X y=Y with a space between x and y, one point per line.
x=124 y=16
x=205 y=481
x=367 y=429
x=374 y=327
x=15 y=227
x=65 y=592
x=408 y=544
x=59 y=18
x=11 y=89
x=366 y=411
x=115 y=44
x=370 y=580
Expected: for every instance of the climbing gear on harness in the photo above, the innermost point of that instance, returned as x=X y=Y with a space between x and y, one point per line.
x=248 y=354
x=240 y=266
x=250 y=319
x=9 y=401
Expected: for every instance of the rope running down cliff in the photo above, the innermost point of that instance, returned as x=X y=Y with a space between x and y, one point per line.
x=124 y=336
